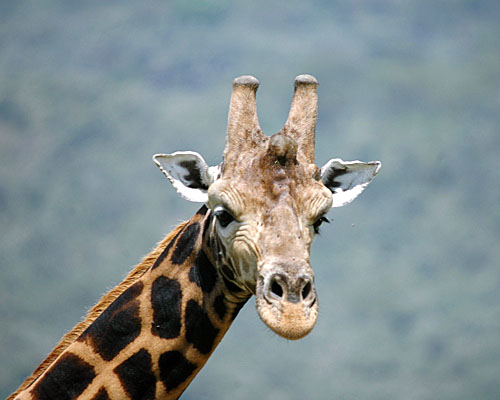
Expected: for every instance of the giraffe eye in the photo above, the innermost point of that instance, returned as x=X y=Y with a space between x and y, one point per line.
x=223 y=216
x=318 y=223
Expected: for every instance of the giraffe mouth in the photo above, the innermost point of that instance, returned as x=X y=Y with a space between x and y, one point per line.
x=286 y=300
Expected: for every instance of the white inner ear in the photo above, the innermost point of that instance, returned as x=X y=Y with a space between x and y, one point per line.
x=347 y=179
x=189 y=174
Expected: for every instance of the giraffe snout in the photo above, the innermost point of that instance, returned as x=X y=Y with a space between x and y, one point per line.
x=286 y=298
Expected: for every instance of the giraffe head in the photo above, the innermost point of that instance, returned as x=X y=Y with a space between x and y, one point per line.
x=267 y=201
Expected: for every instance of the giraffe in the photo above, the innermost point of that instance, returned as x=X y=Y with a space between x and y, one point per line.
x=262 y=207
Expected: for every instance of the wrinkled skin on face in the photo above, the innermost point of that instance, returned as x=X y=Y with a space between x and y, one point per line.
x=266 y=217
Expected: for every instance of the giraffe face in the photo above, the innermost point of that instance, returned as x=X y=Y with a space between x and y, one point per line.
x=267 y=200
x=265 y=222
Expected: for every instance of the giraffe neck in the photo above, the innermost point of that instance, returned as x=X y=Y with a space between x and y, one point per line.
x=150 y=336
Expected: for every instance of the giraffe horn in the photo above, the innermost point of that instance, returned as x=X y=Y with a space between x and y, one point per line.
x=243 y=125
x=301 y=122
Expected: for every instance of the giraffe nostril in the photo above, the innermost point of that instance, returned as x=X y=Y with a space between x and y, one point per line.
x=306 y=290
x=276 y=288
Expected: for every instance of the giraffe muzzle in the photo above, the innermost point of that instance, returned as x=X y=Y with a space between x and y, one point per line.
x=293 y=289
x=286 y=299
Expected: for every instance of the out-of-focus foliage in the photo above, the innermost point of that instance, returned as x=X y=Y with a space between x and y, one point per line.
x=408 y=275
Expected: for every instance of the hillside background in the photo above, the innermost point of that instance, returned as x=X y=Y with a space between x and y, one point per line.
x=408 y=275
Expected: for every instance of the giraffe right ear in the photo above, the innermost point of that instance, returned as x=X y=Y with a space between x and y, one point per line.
x=347 y=179
x=189 y=174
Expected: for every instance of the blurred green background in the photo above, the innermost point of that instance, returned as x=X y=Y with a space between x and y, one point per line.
x=408 y=275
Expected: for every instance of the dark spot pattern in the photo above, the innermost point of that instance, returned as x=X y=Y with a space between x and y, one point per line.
x=193 y=178
x=185 y=245
x=220 y=306
x=227 y=272
x=194 y=276
x=117 y=326
x=237 y=308
x=136 y=376
x=231 y=286
x=166 y=297
x=174 y=369
x=199 y=329
x=102 y=394
x=202 y=211
x=203 y=273
x=65 y=380
x=164 y=253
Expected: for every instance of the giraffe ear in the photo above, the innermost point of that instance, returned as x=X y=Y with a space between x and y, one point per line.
x=347 y=179
x=189 y=174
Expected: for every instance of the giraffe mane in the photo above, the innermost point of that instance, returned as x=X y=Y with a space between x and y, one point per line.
x=97 y=310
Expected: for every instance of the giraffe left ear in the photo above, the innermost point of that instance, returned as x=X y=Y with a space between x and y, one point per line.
x=189 y=174
x=347 y=179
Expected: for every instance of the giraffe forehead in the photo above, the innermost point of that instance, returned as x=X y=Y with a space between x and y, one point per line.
x=274 y=194
x=265 y=175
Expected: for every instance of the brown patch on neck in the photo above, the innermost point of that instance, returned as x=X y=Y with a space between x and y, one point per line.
x=98 y=309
